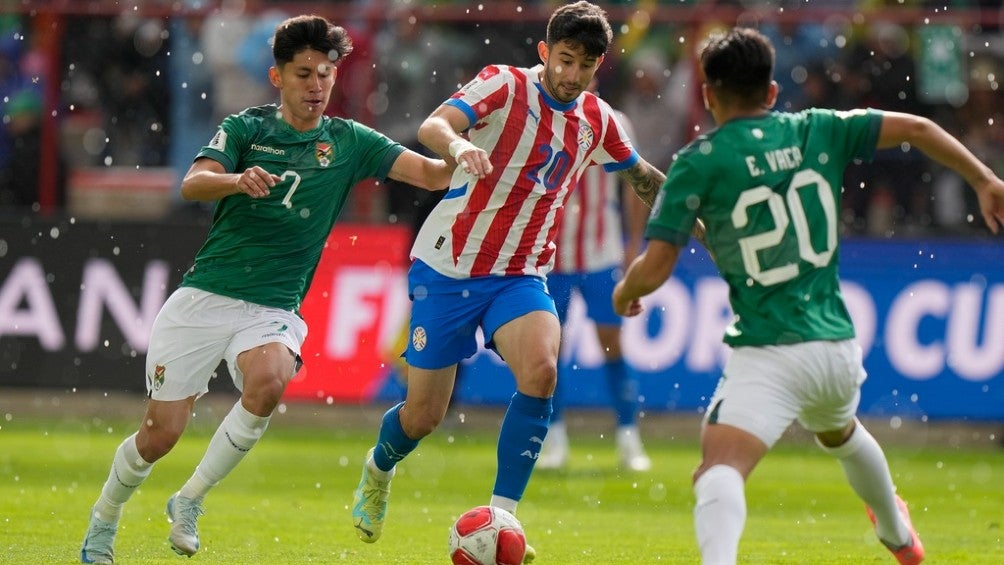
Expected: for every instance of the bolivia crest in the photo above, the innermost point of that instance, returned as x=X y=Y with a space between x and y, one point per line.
x=324 y=153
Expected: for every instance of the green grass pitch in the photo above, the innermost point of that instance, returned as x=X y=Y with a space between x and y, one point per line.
x=289 y=500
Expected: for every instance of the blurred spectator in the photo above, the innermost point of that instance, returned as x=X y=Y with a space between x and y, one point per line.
x=978 y=124
x=657 y=101
x=191 y=80
x=799 y=47
x=118 y=67
x=415 y=71
x=19 y=177
x=223 y=35
x=892 y=193
x=12 y=79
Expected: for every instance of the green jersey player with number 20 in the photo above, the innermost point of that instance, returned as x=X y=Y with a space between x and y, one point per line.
x=767 y=186
x=280 y=176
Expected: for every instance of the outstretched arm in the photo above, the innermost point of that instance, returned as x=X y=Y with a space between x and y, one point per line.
x=938 y=144
x=418 y=170
x=647 y=272
x=644 y=179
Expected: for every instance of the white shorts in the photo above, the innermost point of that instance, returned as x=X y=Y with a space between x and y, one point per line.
x=764 y=389
x=195 y=330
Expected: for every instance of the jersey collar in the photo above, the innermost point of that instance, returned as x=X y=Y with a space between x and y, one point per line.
x=551 y=102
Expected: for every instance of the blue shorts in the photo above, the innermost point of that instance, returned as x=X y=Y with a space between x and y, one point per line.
x=596 y=289
x=446 y=312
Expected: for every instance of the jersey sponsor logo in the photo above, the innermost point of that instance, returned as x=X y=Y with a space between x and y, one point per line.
x=267 y=149
x=278 y=331
x=536 y=118
x=219 y=141
x=324 y=153
x=585 y=137
x=419 y=338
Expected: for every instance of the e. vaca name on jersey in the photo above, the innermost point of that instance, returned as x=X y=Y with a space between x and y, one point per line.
x=784 y=159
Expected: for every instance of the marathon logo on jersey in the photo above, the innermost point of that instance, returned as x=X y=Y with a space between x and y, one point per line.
x=267 y=149
x=585 y=137
x=324 y=154
x=219 y=141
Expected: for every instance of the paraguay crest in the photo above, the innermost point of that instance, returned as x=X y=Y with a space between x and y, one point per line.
x=585 y=137
x=418 y=338
x=324 y=153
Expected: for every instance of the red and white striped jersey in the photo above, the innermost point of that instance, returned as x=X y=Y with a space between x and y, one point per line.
x=506 y=223
x=591 y=235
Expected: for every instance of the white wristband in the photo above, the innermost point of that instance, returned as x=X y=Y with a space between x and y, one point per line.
x=458 y=146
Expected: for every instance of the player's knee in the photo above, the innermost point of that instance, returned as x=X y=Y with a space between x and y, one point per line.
x=154 y=442
x=262 y=395
x=539 y=379
x=420 y=423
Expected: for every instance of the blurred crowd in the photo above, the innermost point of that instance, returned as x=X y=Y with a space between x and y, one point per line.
x=140 y=91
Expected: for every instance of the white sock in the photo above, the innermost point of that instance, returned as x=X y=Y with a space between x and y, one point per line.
x=719 y=514
x=504 y=503
x=128 y=471
x=237 y=434
x=867 y=472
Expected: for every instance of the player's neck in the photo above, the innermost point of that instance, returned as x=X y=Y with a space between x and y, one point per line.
x=727 y=115
x=297 y=124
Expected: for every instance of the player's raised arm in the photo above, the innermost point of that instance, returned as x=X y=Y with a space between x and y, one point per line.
x=938 y=144
x=440 y=133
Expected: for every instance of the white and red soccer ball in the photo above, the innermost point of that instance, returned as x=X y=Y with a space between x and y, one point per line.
x=485 y=535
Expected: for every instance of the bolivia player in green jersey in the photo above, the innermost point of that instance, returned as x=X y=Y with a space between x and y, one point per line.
x=281 y=175
x=767 y=187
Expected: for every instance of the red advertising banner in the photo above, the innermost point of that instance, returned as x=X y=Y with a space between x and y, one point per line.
x=354 y=310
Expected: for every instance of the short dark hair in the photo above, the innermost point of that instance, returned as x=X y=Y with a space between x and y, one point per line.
x=309 y=32
x=582 y=24
x=739 y=65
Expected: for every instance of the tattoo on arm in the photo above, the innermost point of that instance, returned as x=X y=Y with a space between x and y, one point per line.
x=645 y=179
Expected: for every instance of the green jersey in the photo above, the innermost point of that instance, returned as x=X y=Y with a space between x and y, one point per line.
x=768 y=191
x=266 y=250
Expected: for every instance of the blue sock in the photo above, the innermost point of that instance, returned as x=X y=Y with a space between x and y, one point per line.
x=520 y=437
x=623 y=391
x=392 y=443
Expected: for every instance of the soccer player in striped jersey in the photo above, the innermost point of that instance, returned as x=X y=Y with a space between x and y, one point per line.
x=280 y=176
x=600 y=234
x=767 y=186
x=481 y=258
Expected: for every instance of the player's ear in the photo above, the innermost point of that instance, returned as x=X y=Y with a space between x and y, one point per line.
x=542 y=51
x=273 y=77
x=704 y=96
x=772 y=91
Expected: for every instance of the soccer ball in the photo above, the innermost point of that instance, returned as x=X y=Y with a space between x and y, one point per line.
x=485 y=535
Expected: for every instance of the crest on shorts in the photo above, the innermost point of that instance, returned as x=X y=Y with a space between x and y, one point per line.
x=585 y=137
x=158 y=377
x=324 y=153
x=419 y=338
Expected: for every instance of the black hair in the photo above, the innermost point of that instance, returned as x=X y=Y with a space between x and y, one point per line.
x=582 y=24
x=309 y=32
x=739 y=65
